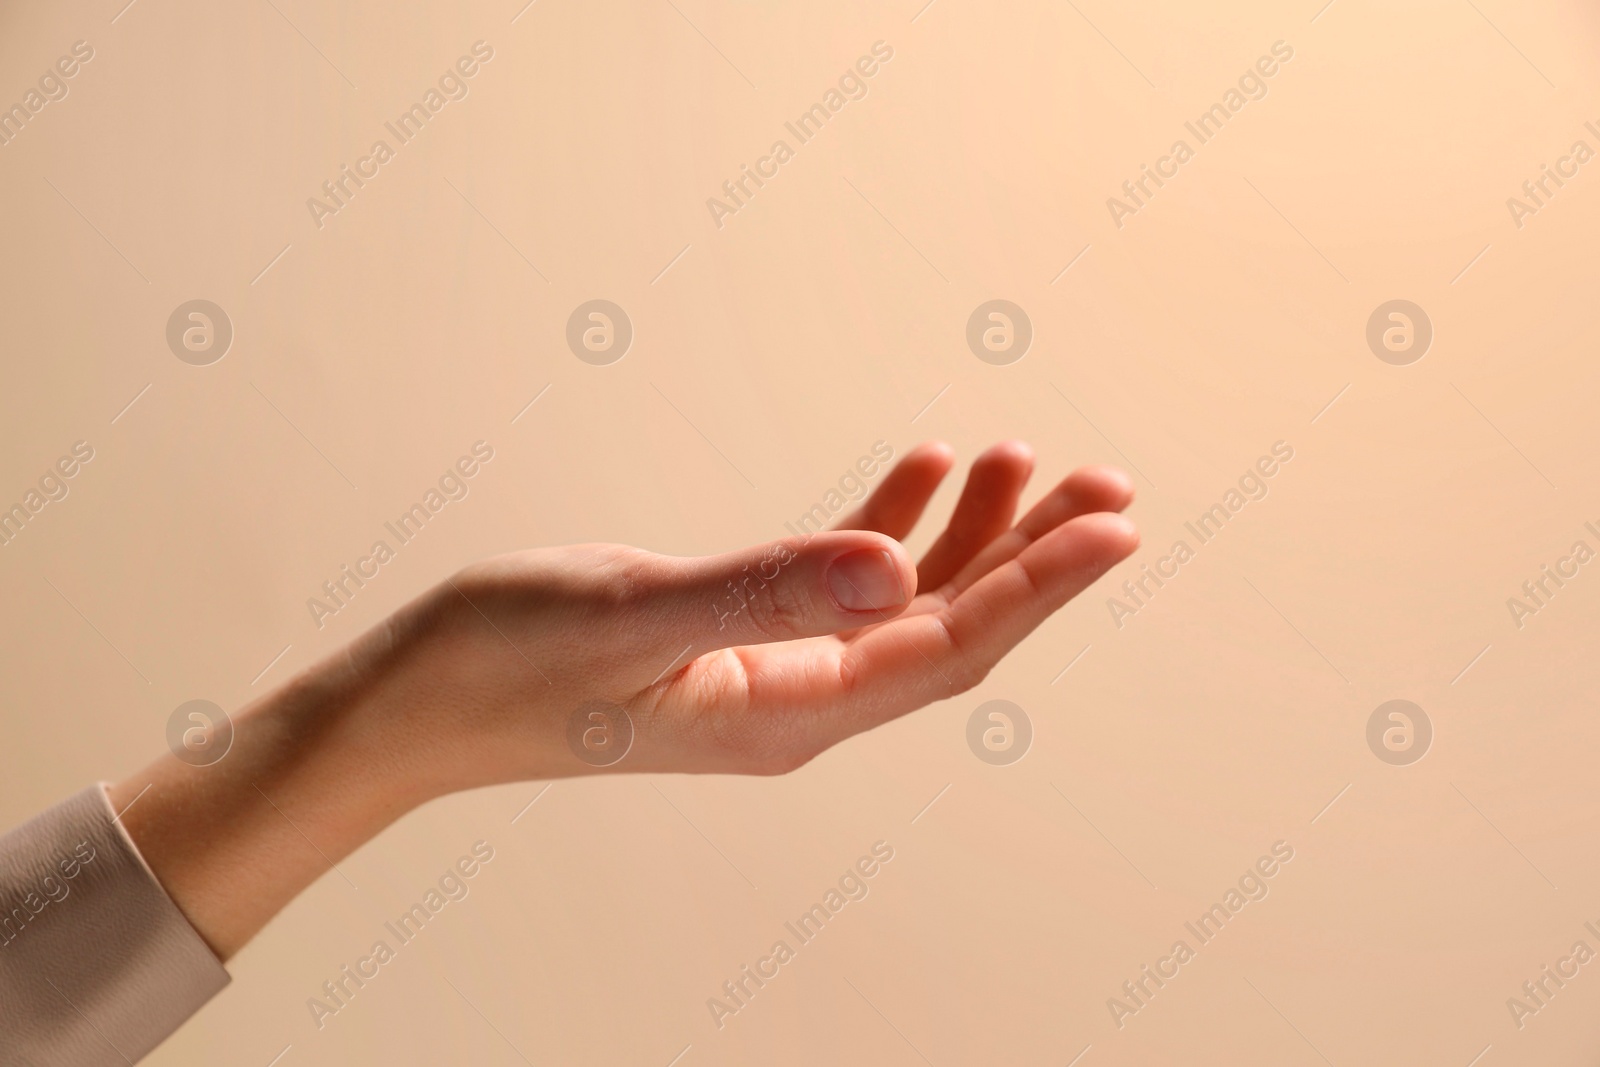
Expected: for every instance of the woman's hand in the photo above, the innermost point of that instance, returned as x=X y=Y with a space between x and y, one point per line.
x=556 y=662
x=543 y=663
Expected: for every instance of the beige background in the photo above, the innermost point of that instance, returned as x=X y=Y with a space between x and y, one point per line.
x=1222 y=318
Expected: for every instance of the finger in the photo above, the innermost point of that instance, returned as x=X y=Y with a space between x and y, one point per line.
x=914 y=660
x=1085 y=491
x=896 y=505
x=783 y=590
x=987 y=506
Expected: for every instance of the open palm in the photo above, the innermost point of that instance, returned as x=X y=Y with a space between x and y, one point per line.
x=563 y=661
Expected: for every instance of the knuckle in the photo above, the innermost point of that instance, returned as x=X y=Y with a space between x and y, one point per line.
x=766 y=750
x=784 y=755
x=617 y=577
x=966 y=668
x=777 y=609
x=968 y=673
x=776 y=764
x=789 y=763
x=853 y=675
x=760 y=746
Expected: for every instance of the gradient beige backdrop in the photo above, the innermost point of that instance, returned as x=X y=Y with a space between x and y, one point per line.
x=829 y=313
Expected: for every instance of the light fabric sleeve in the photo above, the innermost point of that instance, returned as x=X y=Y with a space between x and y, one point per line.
x=97 y=964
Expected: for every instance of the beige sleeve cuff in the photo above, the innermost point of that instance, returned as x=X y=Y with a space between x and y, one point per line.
x=97 y=964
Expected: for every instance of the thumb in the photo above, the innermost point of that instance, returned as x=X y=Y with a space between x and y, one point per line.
x=792 y=588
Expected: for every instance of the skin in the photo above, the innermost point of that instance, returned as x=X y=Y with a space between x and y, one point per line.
x=478 y=680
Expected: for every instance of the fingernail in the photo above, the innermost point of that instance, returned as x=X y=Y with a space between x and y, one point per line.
x=866 y=580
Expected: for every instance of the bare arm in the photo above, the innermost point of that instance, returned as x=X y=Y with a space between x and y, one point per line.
x=603 y=658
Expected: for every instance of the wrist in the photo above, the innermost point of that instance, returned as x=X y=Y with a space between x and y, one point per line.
x=454 y=700
x=310 y=776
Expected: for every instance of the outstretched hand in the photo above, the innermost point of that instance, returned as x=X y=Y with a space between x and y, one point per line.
x=562 y=661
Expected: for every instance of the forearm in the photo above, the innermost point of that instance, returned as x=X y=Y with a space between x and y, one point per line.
x=325 y=762
x=309 y=777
